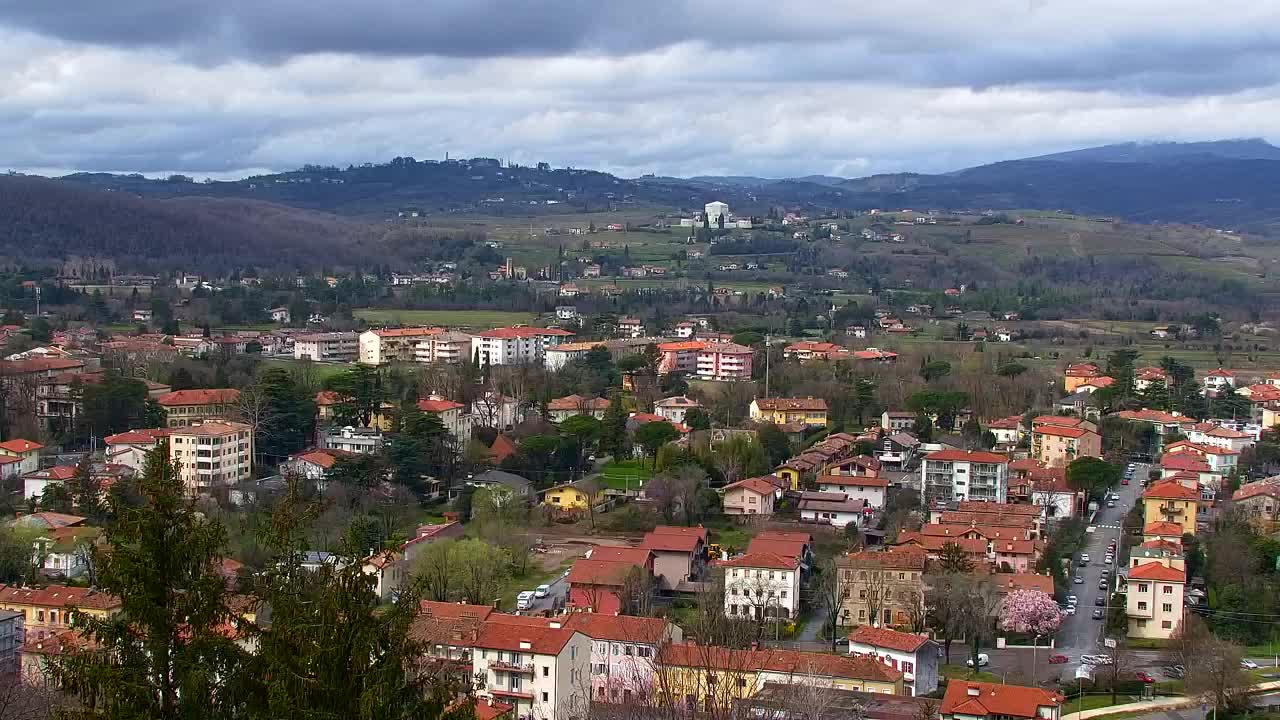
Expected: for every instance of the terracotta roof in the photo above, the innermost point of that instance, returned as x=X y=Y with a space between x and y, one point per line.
x=1059 y=431
x=990 y=532
x=1219 y=373
x=55 y=644
x=58 y=596
x=1156 y=571
x=618 y=627
x=1024 y=464
x=791 y=404
x=502 y=448
x=633 y=555
x=178 y=398
x=325 y=398
x=993 y=699
x=986 y=506
x=678 y=401
x=408 y=332
x=454 y=611
x=1199 y=448
x=9 y=459
x=1159 y=417
x=1012 y=422
x=683 y=345
x=18 y=445
x=892 y=558
x=1171 y=490
x=762 y=560
x=972 y=456
x=1015 y=547
x=541 y=638
x=430 y=405
x=599 y=572
x=787 y=536
x=1163 y=529
x=698 y=531
x=1008 y=582
x=32 y=365
x=1183 y=461
x=1226 y=432
x=507 y=333
x=935 y=543
x=1269 y=487
x=57 y=472
x=1082 y=370
x=727 y=348
x=758 y=486
x=323 y=458
x=886 y=638
x=670 y=543
x=1162 y=545
x=51 y=520
x=578 y=402
x=853 y=481
x=145 y=436
x=791 y=662
x=777 y=546
x=211 y=428
x=960 y=517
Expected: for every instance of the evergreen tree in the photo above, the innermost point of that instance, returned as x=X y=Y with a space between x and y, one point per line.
x=166 y=654
x=1156 y=396
x=420 y=449
x=286 y=419
x=613 y=435
x=84 y=490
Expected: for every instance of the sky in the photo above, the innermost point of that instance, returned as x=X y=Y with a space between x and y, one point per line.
x=776 y=89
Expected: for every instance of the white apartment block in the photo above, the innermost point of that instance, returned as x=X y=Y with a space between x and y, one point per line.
x=212 y=454
x=623 y=652
x=362 y=441
x=534 y=664
x=949 y=476
x=447 y=347
x=393 y=344
x=515 y=345
x=761 y=585
x=327 y=347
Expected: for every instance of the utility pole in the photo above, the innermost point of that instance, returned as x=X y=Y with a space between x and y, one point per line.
x=766 y=366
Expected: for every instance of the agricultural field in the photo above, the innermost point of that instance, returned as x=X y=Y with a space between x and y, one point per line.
x=481 y=319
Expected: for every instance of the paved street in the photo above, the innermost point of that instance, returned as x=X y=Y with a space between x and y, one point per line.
x=555 y=599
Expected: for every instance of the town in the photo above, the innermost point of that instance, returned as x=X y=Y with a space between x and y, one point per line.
x=695 y=502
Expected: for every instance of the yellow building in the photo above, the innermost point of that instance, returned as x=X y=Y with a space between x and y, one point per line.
x=48 y=610
x=571 y=496
x=783 y=411
x=1078 y=374
x=709 y=678
x=1170 y=501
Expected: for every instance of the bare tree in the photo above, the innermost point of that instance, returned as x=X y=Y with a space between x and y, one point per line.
x=870 y=588
x=637 y=593
x=830 y=591
x=28 y=699
x=253 y=409
x=1122 y=663
x=981 y=604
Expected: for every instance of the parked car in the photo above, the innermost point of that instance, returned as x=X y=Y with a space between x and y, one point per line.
x=1099 y=614
x=1058 y=659
x=542 y=591
x=1070 y=610
x=983 y=660
x=1248 y=664
x=524 y=600
x=1078 y=580
x=1072 y=600
x=1084 y=558
x=1125 y=481
x=1144 y=677
x=1100 y=601
x=1102 y=584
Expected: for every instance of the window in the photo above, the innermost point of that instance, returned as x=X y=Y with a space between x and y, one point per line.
x=1142 y=587
x=784 y=594
x=1142 y=623
x=908 y=667
x=1166 y=624
x=1167 y=607
x=1168 y=590
x=544 y=696
x=644 y=652
x=742 y=682
x=902 y=576
x=862 y=615
x=1142 y=605
x=628 y=651
x=546 y=671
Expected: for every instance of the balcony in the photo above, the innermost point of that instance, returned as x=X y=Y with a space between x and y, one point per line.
x=512 y=667
x=1173 y=510
x=514 y=694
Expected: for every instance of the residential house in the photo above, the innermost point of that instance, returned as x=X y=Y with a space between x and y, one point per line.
x=534 y=664
x=974 y=548
x=47 y=610
x=882 y=588
x=624 y=651
x=858 y=478
x=1219 y=380
x=750 y=496
x=1173 y=502
x=493 y=478
x=1145 y=377
x=495 y=410
x=563 y=408
x=1078 y=374
x=186 y=407
x=327 y=347
x=65 y=551
x=832 y=508
x=1162 y=530
x=968 y=700
x=916 y=656
x=675 y=409
x=597 y=583
x=1220 y=461
x=715 y=680
x=679 y=357
x=572 y=497
x=130 y=448
x=34 y=483
x=212 y=455
x=11 y=639
x=1051 y=493
x=424 y=535
x=388 y=571
x=1154 y=600
x=446 y=631
x=1215 y=435
x=451 y=415
x=898 y=451
x=724 y=361
x=893 y=421
x=808 y=350
x=1007 y=431
x=313 y=465
x=781 y=411
x=567 y=313
x=26 y=451
x=679 y=555
x=948 y=476
x=1260 y=500
x=1056 y=445
x=630 y=327
x=361 y=441
x=448 y=348
x=280 y=315
x=378 y=347
x=761 y=586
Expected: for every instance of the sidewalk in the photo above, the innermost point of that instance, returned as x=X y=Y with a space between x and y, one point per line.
x=1163 y=703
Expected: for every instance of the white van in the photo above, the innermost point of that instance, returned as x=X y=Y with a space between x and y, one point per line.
x=524 y=600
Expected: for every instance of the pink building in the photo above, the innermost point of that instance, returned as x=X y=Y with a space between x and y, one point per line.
x=724 y=361
x=623 y=650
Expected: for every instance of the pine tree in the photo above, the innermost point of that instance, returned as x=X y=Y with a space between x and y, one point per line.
x=84 y=490
x=613 y=436
x=165 y=655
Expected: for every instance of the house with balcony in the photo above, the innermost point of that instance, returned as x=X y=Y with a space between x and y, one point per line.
x=761 y=586
x=187 y=407
x=679 y=555
x=811 y=412
x=1154 y=600
x=212 y=455
x=948 y=476
x=1054 y=445
x=537 y=665
x=898 y=451
x=724 y=361
x=1171 y=501
x=624 y=651
x=896 y=574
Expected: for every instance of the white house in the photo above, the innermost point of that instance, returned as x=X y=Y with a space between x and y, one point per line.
x=388 y=573
x=1214 y=435
x=870 y=490
x=27 y=451
x=495 y=410
x=714 y=211
x=630 y=327
x=451 y=415
x=835 y=509
x=761 y=585
x=515 y=345
x=1217 y=380
x=566 y=313
x=34 y=483
x=916 y=656
x=130 y=448
x=674 y=409
x=534 y=664
x=64 y=551
x=280 y=315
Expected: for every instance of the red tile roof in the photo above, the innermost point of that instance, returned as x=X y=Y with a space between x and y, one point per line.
x=993 y=699
x=1008 y=582
x=1059 y=431
x=58 y=596
x=322 y=458
x=633 y=555
x=785 y=404
x=1163 y=545
x=972 y=456
x=1158 y=417
x=1171 y=490
x=699 y=531
x=986 y=506
x=454 y=611
x=620 y=628
x=1183 y=461
x=758 y=486
x=1270 y=487
x=18 y=445
x=1163 y=528
x=57 y=472
x=408 y=332
x=599 y=572
x=935 y=543
x=1156 y=571
x=791 y=662
x=325 y=398
x=684 y=345
x=670 y=543
x=793 y=537
x=886 y=638
x=504 y=634
x=578 y=402
x=892 y=558
x=506 y=333
x=179 y=398
x=145 y=436
x=429 y=405
x=762 y=560
x=1012 y=422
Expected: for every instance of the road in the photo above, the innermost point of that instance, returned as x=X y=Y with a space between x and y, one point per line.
x=554 y=600
x=1080 y=633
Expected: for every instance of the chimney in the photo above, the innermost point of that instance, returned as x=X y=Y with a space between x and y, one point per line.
x=554 y=625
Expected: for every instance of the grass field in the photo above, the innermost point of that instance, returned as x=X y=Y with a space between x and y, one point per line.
x=321 y=370
x=445 y=318
x=625 y=475
x=961 y=672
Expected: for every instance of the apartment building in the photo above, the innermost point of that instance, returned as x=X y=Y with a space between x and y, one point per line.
x=948 y=476
x=212 y=455
x=47 y=610
x=1171 y=501
x=388 y=345
x=1154 y=600
x=11 y=639
x=515 y=345
x=812 y=412
x=723 y=361
x=448 y=348
x=327 y=347
x=187 y=407
x=26 y=451
x=623 y=652
x=1056 y=445
x=537 y=665
x=761 y=586
x=883 y=588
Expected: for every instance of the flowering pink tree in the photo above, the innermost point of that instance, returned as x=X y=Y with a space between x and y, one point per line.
x=1031 y=612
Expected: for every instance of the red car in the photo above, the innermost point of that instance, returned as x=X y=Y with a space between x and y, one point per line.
x=1057 y=659
x=1144 y=677
x=1124 y=481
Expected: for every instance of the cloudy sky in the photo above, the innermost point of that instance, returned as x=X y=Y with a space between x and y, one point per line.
x=844 y=87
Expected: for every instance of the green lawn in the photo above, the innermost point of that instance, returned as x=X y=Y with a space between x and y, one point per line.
x=322 y=371
x=961 y=672
x=624 y=475
x=1263 y=650
x=448 y=318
